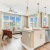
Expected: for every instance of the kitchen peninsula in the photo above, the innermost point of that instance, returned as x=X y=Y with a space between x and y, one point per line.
x=32 y=39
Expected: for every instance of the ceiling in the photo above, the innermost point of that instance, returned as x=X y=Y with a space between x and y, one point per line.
x=20 y=6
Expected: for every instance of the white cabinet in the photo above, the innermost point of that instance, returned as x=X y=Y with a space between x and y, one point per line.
x=33 y=39
x=36 y=39
x=39 y=38
x=42 y=37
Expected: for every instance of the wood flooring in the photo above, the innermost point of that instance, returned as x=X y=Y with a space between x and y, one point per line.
x=16 y=44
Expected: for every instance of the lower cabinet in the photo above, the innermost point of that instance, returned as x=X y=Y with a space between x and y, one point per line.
x=33 y=39
x=36 y=39
x=42 y=38
x=39 y=38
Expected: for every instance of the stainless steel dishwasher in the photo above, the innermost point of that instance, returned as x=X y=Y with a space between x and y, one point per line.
x=47 y=35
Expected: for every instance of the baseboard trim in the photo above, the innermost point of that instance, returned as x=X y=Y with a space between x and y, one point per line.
x=28 y=48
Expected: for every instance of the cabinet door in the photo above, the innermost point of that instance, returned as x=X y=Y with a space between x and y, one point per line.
x=39 y=38
x=36 y=39
x=42 y=37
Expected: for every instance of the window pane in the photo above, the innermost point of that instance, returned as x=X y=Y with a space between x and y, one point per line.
x=6 y=25
x=44 y=19
x=6 y=17
x=12 y=19
x=18 y=22
x=31 y=20
x=18 y=19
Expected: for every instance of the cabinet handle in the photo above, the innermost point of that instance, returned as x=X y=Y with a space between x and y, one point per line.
x=40 y=36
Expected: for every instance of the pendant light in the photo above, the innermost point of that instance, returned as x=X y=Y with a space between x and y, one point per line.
x=38 y=7
x=45 y=17
x=45 y=11
x=27 y=8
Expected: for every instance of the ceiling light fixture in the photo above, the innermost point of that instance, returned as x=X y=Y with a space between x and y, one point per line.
x=38 y=8
x=45 y=10
x=12 y=10
x=27 y=8
x=38 y=13
x=45 y=17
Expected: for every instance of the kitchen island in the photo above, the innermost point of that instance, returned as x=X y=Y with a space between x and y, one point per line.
x=32 y=39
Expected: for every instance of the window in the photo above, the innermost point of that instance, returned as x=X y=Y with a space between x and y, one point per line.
x=12 y=21
x=6 y=17
x=18 y=22
x=44 y=21
x=6 y=22
x=18 y=19
x=33 y=21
